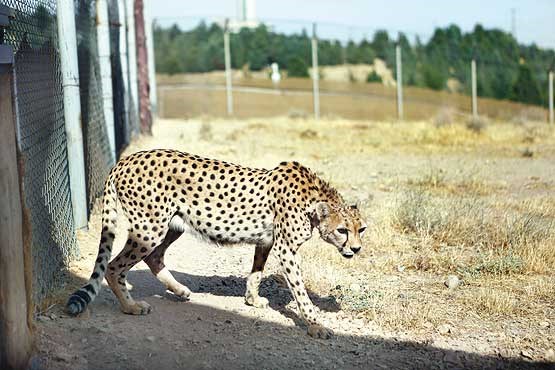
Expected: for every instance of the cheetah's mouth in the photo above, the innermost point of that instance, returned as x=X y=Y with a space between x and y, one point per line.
x=347 y=253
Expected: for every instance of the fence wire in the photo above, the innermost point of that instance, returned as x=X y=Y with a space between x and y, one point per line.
x=98 y=157
x=42 y=140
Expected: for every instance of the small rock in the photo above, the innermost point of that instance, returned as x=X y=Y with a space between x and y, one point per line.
x=527 y=354
x=549 y=355
x=355 y=288
x=158 y=296
x=84 y=340
x=452 y=282
x=63 y=356
x=545 y=324
x=428 y=325
x=445 y=329
x=527 y=153
x=228 y=321
x=150 y=338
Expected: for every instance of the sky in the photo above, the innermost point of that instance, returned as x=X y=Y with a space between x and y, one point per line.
x=534 y=19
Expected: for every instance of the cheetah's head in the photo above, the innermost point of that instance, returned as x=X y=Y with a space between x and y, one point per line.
x=341 y=226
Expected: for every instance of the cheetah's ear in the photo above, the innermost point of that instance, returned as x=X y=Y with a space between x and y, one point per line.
x=322 y=210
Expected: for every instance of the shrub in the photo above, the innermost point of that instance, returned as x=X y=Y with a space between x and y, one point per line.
x=373 y=77
x=297 y=67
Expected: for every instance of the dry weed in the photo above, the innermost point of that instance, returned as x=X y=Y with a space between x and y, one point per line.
x=492 y=302
x=489 y=241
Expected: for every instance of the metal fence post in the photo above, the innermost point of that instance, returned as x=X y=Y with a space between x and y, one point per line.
x=398 y=58
x=227 y=55
x=315 y=73
x=551 y=118
x=103 y=40
x=132 y=67
x=151 y=63
x=72 y=110
x=124 y=68
x=474 y=90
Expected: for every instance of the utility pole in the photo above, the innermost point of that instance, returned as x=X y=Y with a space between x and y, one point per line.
x=398 y=58
x=474 y=90
x=315 y=74
x=227 y=54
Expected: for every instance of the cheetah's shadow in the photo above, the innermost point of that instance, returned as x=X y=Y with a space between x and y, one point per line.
x=272 y=287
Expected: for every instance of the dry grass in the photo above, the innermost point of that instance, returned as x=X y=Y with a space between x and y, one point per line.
x=439 y=199
x=489 y=240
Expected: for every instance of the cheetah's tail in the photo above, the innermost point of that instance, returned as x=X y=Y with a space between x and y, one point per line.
x=79 y=300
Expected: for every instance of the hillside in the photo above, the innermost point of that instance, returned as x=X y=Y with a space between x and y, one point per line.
x=506 y=69
x=194 y=94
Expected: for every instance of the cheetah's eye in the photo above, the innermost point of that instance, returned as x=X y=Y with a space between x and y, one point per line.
x=361 y=230
x=342 y=230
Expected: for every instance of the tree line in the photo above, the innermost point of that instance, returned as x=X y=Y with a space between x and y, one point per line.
x=506 y=69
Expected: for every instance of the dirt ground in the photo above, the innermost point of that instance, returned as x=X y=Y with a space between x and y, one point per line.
x=216 y=330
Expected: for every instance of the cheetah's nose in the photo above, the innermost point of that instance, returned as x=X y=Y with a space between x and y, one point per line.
x=356 y=249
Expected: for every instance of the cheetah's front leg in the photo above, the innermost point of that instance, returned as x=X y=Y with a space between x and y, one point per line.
x=253 y=281
x=307 y=309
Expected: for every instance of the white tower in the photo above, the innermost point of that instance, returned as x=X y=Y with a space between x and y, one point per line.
x=250 y=10
x=246 y=11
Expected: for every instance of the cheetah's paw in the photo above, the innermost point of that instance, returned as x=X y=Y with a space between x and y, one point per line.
x=258 y=302
x=318 y=331
x=139 y=308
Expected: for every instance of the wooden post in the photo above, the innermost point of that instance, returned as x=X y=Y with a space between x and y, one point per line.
x=474 y=90
x=15 y=332
x=145 y=115
x=551 y=118
x=398 y=58
x=315 y=74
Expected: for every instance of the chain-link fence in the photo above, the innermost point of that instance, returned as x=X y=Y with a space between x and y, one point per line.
x=272 y=64
x=42 y=139
x=40 y=118
x=98 y=158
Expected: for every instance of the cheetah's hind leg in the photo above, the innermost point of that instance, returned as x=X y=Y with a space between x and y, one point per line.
x=135 y=250
x=155 y=261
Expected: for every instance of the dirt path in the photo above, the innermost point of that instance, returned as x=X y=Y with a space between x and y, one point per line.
x=215 y=329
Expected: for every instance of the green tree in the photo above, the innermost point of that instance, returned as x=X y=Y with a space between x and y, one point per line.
x=297 y=67
x=434 y=78
x=373 y=77
x=525 y=88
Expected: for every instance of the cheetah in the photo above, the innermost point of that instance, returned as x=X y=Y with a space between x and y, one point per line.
x=164 y=193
